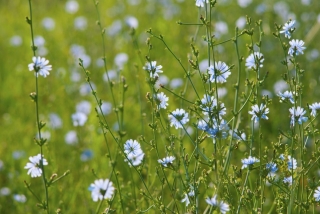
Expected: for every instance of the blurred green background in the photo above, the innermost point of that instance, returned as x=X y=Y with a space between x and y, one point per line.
x=67 y=30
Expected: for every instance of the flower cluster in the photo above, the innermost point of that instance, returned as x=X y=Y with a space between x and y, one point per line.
x=134 y=153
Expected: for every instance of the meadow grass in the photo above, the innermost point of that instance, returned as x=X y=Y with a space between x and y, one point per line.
x=160 y=107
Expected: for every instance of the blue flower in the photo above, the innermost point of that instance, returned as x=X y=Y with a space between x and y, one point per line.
x=255 y=59
x=286 y=96
x=161 y=100
x=272 y=168
x=292 y=163
x=288 y=180
x=166 y=161
x=296 y=47
x=210 y=106
x=297 y=115
x=316 y=194
x=153 y=69
x=314 y=108
x=259 y=112
x=178 y=118
x=288 y=28
x=219 y=72
x=249 y=161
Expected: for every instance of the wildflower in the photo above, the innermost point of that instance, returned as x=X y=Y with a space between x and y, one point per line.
x=223 y=207
x=288 y=180
x=316 y=194
x=153 y=69
x=40 y=66
x=132 y=146
x=101 y=189
x=297 y=115
x=71 y=137
x=286 y=96
x=202 y=125
x=135 y=159
x=314 y=108
x=255 y=60
x=176 y=83
x=237 y=135
x=166 y=161
x=272 y=168
x=84 y=107
x=249 y=161
x=34 y=167
x=288 y=28
x=219 y=72
x=187 y=196
x=210 y=106
x=296 y=47
x=161 y=100
x=178 y=118
x=200 y=3
x=20 y=198
x=292 y=163
x=79 y=118
x=86 y=155
x=281 y=157
x=258 y=113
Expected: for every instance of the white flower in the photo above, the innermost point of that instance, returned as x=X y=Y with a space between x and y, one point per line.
x=288 y=28
x=132 y=146
x=210 y=107
x=34 y=167
x=40 y=66
x=292 y=163
x=314 y=108
x=178 y=118
x=223 y=207
x=219 y=72
x=72 y=6
x=297 y=115
x=166 y=161
x=316 y=194
x=71 y=137
x=288 y=180
x=296 y=47
x=249 y=161
x=161 y=100
x=79 y=118
x=135 y=159
x=200 y=3
x=286 y=96
x=255 y=59
x=84 y=107
x=186 y=197
x=101 y=189
x=259 y=112
x=153 y=69
x=20 y=198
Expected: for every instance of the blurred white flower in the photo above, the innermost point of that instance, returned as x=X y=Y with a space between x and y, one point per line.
x=106 y=108
x=80 y=23
x=79 y=119
x=71 y=137
x=72 y=6
x=4 y=191
x=115 y=28
x=112 y=75
x=121 y=59
x=16 y=40
x=244 y=3
x=55 y=121
x=132 y=22
x=176 y=83
x=241 y=22
x=85 y=88
x=48 y=23
x=20 y=198
x=84 y=107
